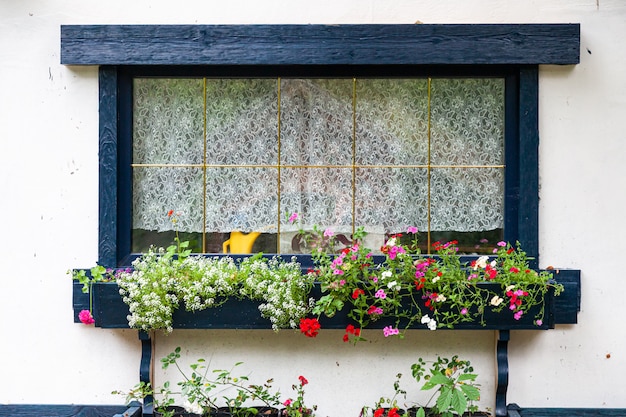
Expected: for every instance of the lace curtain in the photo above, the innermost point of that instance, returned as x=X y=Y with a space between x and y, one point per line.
x=237 y=154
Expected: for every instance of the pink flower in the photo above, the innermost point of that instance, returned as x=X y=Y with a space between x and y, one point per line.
x=412 y=229
x=390 y=331
x=518 y=315
x=328 y=233
x=539 y=322
x=380 y=294
x=501 y=243
x=463 y=311
x=85 y=317
x=287 y=403
x=293 y=217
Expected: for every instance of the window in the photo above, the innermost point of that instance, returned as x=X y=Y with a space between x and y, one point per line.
x=381 y=153
x=510 y=53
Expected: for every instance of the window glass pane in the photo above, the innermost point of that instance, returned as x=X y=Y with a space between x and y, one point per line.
x=167 y=121
x=241 y=122
x=316 y=122
x=168 y=146
x=467 y=121
x=232 y=156
x=392 y=122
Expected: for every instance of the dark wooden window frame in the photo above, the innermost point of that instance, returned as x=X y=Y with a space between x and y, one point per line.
x=513 y=51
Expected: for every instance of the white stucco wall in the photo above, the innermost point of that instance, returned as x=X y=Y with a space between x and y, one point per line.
x=49 y=189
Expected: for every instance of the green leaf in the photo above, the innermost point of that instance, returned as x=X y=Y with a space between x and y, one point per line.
x=458 y=401
x=471 y=392
x=467 y=377
x=420 y=412
x=444 y=400
x=440 y=379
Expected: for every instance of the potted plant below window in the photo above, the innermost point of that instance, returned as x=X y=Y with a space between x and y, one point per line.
x=217 y=393
x=456 y=392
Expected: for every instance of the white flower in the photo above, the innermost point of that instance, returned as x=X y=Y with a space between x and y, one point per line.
x=426 y=319
x=437 y=278
x=440 y=298
x=386 y=274
x=481 y=262
x=496 y=301
x=193 y=407
x=432 y=325
x=391 y=242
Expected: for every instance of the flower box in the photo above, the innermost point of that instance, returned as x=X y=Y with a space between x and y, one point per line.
x=109 y=311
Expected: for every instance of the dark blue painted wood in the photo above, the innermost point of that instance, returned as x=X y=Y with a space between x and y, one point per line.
x=110 y=311
x=567 y=304
x=56 y=410
x=502 y=363
x=144 y=370
x=515 y=410
x=108 y=221
x=132 y=411
x=448 y=44
x=528 y=215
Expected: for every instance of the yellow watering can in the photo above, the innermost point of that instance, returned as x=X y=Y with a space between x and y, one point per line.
x=240 y=242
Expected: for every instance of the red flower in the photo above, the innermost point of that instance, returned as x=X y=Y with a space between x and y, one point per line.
x=379 y=412
x=303 y=380
x=356 y=293
x=393 y=413
x=310 y=327
x=346 y=338
x=420 y=284
x=169 y=213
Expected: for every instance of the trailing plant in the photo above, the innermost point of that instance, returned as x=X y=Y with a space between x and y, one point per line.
x=412 y=289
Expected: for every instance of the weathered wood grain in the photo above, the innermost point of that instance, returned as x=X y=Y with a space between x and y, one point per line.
x=378 y=44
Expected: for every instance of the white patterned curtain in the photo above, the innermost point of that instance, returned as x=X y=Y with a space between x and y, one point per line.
x=237 y=154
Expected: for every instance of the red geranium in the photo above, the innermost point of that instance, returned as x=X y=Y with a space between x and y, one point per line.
x=310 y=327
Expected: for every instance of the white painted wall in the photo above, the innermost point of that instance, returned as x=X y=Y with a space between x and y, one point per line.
x=49 y=182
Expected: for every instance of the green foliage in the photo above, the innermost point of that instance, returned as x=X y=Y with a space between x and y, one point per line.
x=203 y=390
x=455 y=384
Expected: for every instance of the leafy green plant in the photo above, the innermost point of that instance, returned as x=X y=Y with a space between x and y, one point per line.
x=203 y=390
x=455 y=384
